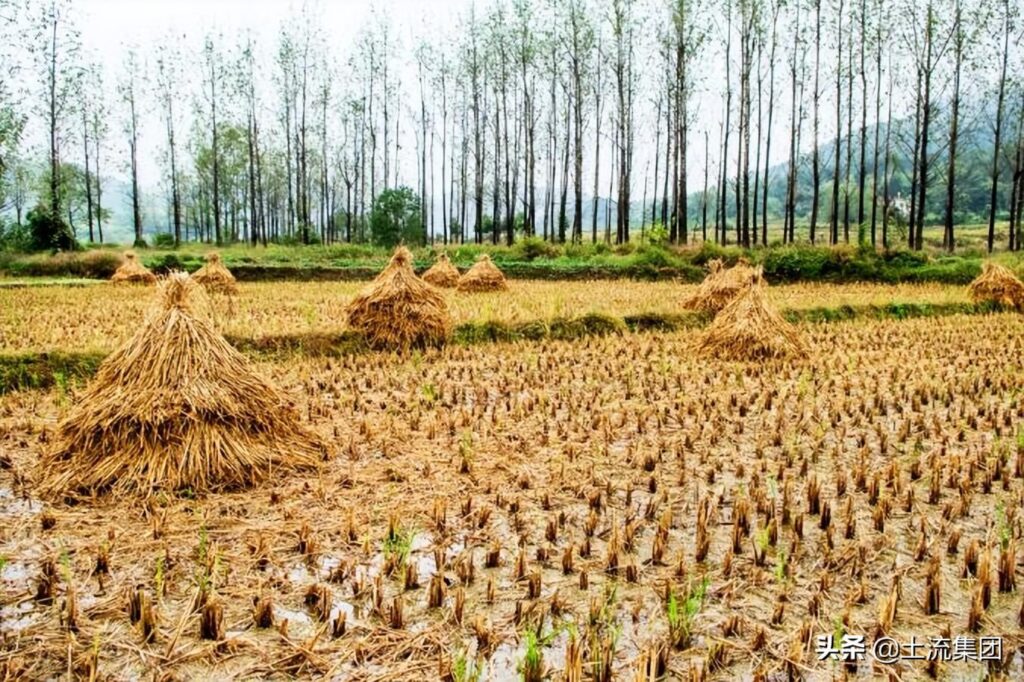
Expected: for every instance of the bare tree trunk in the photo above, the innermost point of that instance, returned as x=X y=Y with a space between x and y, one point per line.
x=862 y=175
x=1000 y=101
x=926 y=112
x=837 y=156
x=768 y=134
x=88 y=179
x=878 y=125
x=815 y=153
x=726 y=129
x=704 y=194
x=948 y=238
x=849 y=143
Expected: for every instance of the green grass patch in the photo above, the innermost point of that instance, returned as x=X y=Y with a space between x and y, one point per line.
x=45 y=370
x=534 y=259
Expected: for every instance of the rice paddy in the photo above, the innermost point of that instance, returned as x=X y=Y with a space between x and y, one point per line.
x=100 y=317
x=610 y=507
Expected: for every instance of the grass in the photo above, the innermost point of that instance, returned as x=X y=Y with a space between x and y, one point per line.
x=680 y=615
x=535 y=259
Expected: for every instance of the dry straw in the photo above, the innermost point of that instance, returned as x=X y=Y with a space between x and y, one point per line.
x=997 y=284
x=176 y=408
x=132 y=271
x=399 y=310
x=442 y=273
x=215 y=277
x=748 y=328
x=720 y=286
x=483 y=276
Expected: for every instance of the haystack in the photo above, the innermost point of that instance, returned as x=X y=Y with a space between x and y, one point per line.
x=720 y=286
x=997 y=284
x=442 y=273
x=215 y=276
x=399 y=310
x=483 y=276
x=748 y=328
x=132 y=271
x=176 y=408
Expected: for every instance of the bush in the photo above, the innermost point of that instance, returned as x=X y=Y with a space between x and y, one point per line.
x=532 y=248
x=14 y=237
x=49 y=233
x=164 y=240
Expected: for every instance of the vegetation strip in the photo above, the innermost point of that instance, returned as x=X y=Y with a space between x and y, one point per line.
x=531 y=259
x=44 y=370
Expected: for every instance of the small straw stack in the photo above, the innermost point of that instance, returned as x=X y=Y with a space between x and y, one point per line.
x=132 y=271
x=176 y=408
x=215 y=277
x=748 y=328
x=442 y=273
x=997 y=284
x=483 y=276
x=720 y=286
x=399 y=310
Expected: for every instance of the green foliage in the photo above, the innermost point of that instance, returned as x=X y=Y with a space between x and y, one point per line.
x=657 y=235
x=47 y=232
x=398 y=544
x=532 y=248
x=164 y=240
x=14 y=237
x=681 y=614
x=395 y=218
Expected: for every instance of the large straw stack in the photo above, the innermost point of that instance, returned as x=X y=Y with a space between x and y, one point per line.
x=997 y=284
x=748 y=328
x=483 y=276
x=399 y=310
x=720 y=286
x=176 y=408
x=442 y=273
x=131 y=271
x=215 y=276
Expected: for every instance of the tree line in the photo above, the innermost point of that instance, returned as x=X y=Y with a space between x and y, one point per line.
x=830 y=121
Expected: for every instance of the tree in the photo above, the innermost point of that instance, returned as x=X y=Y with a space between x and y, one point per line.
x=213 y=74
x=12 y=122
x=168 y=83
x=622 y=33
x=128 y=91
x=396 y=218
x=1007 y=17
x=57 y=47
x=579 y=41
x=815 y=153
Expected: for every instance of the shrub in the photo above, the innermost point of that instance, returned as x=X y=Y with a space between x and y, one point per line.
x=164 y=240
x=47 y=232
x=532 y=248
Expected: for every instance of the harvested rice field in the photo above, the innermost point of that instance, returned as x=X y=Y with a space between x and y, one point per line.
x=609 y=508
x=99 y=317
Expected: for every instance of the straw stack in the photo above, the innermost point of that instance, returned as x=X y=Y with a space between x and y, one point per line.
x=748 y=328
x=215 y=277
x=997 y=284
x=483 y=276
x=399 y=310
x=176 y=408
x=720 y=286
x=131 y=271
x=442 y=273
